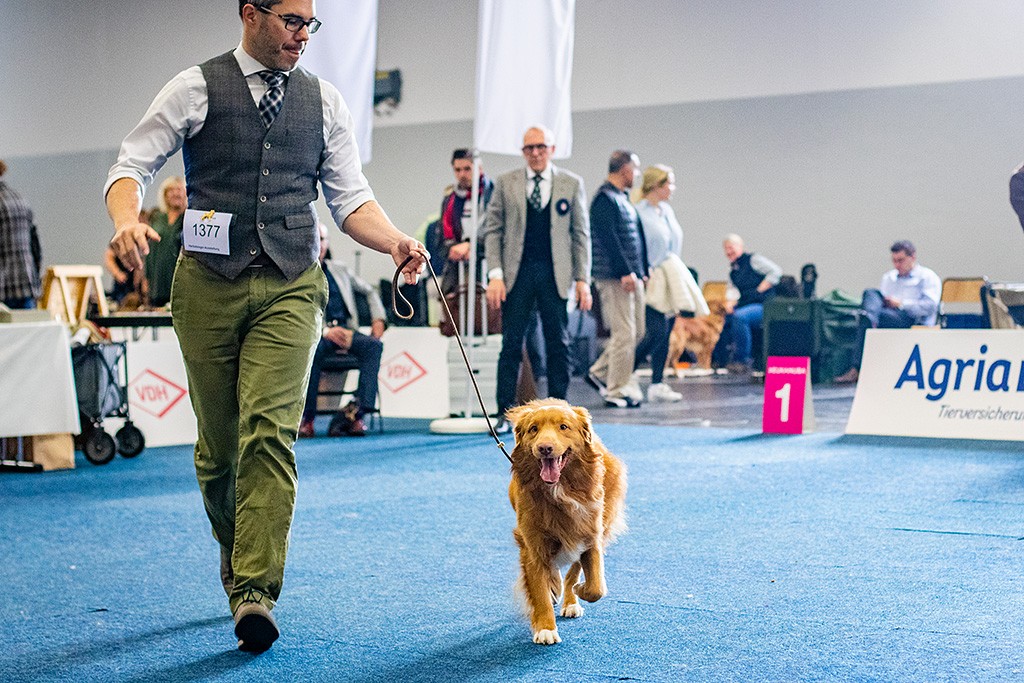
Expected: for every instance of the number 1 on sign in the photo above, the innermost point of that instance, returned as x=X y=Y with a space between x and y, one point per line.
x=783 y=395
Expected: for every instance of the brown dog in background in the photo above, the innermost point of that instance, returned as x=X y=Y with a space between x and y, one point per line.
x=699 y=335
x=569 y=496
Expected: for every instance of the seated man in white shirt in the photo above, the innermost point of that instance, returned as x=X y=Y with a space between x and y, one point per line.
x=908 y=295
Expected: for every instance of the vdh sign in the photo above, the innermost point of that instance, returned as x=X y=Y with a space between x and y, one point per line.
x=941 y=383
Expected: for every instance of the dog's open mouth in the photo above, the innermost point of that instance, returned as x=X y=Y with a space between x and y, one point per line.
x=551 y=468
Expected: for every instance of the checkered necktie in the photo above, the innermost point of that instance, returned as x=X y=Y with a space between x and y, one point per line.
x=270 y=103
x=535 y=198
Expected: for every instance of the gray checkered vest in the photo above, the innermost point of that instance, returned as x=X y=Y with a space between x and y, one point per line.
x=266 y=178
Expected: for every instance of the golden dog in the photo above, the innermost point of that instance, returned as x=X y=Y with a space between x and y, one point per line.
x=696 y=334
x=569 y=496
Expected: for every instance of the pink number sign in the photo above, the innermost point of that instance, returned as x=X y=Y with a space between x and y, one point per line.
x=787 y=395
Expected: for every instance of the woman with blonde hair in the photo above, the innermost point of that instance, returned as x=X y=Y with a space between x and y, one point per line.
x=166 y=219
x=664 y=239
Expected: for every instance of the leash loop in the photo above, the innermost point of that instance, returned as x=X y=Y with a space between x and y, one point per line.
x=458 y=338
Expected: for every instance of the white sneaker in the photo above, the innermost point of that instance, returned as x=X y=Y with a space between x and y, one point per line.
x=663 y=393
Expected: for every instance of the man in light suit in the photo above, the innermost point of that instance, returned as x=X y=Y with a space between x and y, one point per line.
x=537 y=242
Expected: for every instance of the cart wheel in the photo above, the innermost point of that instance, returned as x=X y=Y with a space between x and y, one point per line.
x=130 y=440
x=99 y=447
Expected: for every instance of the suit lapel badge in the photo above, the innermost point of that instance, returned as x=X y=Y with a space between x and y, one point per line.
x=562 y=207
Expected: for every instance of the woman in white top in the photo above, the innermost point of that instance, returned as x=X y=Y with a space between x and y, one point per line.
x=663 y=236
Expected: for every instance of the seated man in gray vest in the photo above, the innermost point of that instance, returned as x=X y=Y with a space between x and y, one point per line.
x=340 y=334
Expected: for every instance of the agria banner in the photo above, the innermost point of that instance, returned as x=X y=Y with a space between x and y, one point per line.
x=966 y=384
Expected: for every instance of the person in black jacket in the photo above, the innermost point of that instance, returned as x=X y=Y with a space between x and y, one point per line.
x=1017 y=193
x=619 y=270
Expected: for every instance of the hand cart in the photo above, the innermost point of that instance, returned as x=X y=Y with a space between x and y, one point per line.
x=102 y=394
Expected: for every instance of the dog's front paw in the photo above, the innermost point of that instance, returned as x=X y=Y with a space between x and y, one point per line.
x=590 y=593
x=572 y=611
x=546 y=637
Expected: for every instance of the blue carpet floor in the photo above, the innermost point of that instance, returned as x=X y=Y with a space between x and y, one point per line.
x=749 y=558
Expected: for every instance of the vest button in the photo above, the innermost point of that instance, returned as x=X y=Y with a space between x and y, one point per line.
x=263 y=198
x=266 y=145
x=254 y=251
x=266 y=171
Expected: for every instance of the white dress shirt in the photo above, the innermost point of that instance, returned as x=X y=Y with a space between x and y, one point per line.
x=918 y=292
x=179 y=112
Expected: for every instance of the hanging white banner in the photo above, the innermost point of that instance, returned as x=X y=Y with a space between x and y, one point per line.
x=344 y=52
x=524 y=73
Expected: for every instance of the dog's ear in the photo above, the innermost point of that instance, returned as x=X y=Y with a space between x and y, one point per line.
x=515 y=414
x=583 y=417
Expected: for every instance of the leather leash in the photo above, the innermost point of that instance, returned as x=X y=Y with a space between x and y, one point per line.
x=396 y=293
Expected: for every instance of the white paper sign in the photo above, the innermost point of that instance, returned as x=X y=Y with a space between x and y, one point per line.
x=206 y=232
x=965 y=384
x=158 y=399
x=414 y=373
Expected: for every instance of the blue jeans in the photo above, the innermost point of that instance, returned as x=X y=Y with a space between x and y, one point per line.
x=21 y=303
x=743 y=319
x=875 y=314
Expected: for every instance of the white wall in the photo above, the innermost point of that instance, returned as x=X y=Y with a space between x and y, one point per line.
x=821 y=131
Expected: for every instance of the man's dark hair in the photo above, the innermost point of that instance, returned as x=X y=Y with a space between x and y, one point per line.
x=619 y=158
x=256 y=3
x=906 y=246
x=461 y=153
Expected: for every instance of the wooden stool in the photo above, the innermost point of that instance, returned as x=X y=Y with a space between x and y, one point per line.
x=67 y=291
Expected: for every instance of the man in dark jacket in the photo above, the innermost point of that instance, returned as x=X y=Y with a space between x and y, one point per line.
x=1017 y=193
x=619 y=271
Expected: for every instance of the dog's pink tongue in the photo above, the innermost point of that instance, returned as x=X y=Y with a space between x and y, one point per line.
x=549 y=470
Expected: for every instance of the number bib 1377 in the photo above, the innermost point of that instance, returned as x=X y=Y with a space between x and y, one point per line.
x=207 y=232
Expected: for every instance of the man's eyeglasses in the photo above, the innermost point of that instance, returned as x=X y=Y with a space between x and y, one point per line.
x=293 y=23
x=530 y=149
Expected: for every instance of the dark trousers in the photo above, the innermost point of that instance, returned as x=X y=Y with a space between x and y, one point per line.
x=368 y=351
x=743 y=320
x=655 y=342
x=874 y=314
x=535 y=289
x=20 y=303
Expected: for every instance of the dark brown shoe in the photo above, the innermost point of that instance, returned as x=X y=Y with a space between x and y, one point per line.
x=356 y=427
x=849 y=377
x=255 y=627
x=348 y=422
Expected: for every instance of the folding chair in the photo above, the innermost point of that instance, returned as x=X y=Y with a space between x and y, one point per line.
x=960 y=303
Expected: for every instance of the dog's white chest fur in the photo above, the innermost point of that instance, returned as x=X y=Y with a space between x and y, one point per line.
x=567 y=556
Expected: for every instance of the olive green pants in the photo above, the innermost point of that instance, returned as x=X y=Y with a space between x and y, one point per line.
x=248 y=344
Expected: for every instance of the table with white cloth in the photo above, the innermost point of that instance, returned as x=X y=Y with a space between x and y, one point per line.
x=37 y=385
